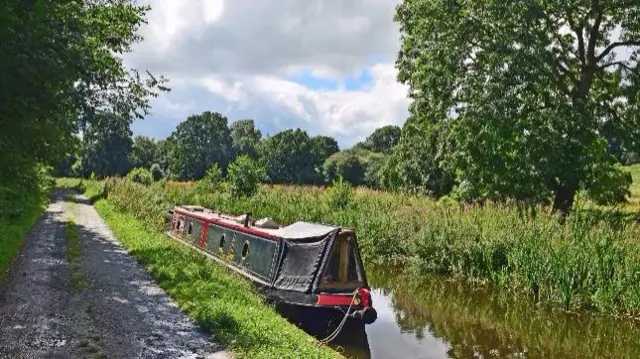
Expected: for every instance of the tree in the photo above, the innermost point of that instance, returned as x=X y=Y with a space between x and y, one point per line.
x=345 y=165
x=106 y=147
x=383 y=139
x=244 y=176
x=415 y=163
x=144 y=152
x=291 y=157
x=62 y=69
x=198 y=143
x=523 y=97
x=245 y=138
x=163 y=150
x=325 y=146
x=356 y=166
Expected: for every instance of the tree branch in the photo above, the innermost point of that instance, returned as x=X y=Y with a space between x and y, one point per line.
x=593 y=34
x=615 y=45
x=579 y=35
x=617 y=63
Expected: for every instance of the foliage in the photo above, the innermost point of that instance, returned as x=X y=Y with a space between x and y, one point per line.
x=291 y=156
x=345 y=165
x=415 y=163
x=163 y=151
x=62 y=69
x=156 y=172
x=341 y=194
x=21 y=202
x=106 y=146
x=212 y=179
x=143 y=152
x=383 y=139
x=198 y=143
x=244 y=176
x=325 y=146
x=217 y=299
x=525 y=99
x=140 y=175
x=245 y=138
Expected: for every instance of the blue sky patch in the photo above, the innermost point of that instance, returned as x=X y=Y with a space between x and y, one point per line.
x=307 y=79
x=355 y=83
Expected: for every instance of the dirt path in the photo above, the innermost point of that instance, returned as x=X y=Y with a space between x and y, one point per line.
x=89 y=299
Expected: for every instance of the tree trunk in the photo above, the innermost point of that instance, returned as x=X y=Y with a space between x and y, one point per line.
x=563 y=200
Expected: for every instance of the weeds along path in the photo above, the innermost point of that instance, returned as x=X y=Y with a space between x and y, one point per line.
x=75 y=293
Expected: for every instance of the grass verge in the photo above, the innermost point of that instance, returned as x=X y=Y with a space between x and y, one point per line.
x=12 y=236
x=217 y=299
x=20 y=206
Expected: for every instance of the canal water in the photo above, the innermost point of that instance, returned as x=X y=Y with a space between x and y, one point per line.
x=436 y=318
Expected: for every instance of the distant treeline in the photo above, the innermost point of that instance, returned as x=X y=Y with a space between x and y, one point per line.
x=207 y=140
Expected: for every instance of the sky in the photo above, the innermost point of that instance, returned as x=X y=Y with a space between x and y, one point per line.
x=325 y=66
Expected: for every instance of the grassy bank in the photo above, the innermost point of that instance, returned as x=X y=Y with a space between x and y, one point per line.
x=20 y=207
x=590 y=262
x=216 y=298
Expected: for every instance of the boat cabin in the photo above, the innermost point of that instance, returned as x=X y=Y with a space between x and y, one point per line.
x=304 y=263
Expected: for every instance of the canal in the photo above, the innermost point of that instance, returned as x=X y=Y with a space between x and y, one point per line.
x=436 y=318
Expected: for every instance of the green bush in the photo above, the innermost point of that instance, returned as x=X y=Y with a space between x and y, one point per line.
x=156 y=172
x=244 y=176
x=212 y=179
x=341 y=194
x=140 y=175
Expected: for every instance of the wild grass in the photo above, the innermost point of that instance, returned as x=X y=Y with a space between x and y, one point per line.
x=592 y=261
x=216 y=298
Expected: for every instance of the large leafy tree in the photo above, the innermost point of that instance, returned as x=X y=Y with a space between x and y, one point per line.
x=523 y=91
x=163 y=151
x=291 y=156
x=106 y=147
x=356 y=166
x=245 y=138
x=61 y=71
x=144 y=152
x=325 y=146
x=383 y=139
x=198 y=143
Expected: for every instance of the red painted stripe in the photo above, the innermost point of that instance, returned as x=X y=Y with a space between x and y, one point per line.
x=235 y=227
x=203 y=234
x=334 y=299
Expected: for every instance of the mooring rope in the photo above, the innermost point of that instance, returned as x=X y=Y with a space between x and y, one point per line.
x=336 y=332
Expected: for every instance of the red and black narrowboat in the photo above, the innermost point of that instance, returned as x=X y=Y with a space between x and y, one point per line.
x=303 y=264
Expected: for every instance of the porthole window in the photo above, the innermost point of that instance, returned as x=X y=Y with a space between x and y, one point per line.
x=245 y=250
x=222 y=242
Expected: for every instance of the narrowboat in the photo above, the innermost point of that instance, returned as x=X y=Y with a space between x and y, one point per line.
x=303 y=264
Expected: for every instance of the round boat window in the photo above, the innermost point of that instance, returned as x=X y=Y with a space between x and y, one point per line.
x=222 y=242
x=245 y=250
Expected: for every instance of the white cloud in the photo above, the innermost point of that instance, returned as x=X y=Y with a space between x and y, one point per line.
x=235 y=56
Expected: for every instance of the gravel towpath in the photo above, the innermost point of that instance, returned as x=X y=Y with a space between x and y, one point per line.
x=96 y=302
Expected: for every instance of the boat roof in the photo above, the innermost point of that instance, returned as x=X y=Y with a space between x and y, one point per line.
x=297 y=230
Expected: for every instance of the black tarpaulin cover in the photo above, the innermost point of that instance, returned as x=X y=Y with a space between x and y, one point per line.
x=300 y=260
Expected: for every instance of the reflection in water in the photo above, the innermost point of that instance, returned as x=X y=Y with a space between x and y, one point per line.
x=484 y=323
x=434 y=318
